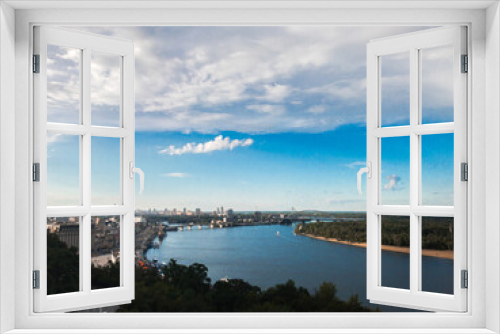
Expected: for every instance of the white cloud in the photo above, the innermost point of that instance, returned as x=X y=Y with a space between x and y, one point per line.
x=177 y=175
x=220 y=70
x=392 y=182
x=219 y=143
x=355 y=164
x=275 y=93
x=53 y=137
x=267 y=108
x=348 y=91
x=317 y=109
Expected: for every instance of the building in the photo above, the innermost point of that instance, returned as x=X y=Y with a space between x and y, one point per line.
x=257 y=216
x=70 y=234
x=198 y=212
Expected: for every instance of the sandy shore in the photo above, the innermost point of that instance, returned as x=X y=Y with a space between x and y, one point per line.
x=445 y=254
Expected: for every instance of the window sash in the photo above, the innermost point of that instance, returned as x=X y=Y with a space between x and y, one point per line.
x=86 y=298
x=414 y=298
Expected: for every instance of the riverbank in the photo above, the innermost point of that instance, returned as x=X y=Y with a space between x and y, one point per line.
x=444 y=254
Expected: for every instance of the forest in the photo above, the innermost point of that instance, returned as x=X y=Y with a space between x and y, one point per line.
x=437 y=232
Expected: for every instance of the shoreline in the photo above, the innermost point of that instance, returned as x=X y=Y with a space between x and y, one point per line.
x=444 y=254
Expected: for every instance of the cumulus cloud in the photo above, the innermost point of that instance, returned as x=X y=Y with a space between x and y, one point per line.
x=219 y=143
x=355 y=164
x=177 y=175
x=317 y=109
x=393 y=182
x=205 y=71
x=267 y=108
x=275 y=93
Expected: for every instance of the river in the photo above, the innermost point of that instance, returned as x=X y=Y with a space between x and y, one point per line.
x=262 y=257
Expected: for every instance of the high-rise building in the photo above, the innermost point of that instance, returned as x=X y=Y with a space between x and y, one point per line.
x=258 y=216
x=198 y=212
x=221 y=210
x=230 y=212
x=184 y=211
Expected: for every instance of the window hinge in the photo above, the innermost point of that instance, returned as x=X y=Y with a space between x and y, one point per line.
x=464 y=171
x=465 y=279
x=465 y=64
x=36 y=279
x=36 y=63
x=36 y=172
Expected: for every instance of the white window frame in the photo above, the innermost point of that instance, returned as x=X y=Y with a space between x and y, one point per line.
x=412 y=44
x=88 y=43
x=483 y=212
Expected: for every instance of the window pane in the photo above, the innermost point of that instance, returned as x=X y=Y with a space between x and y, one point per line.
x=63 y=84
x=395 y=171
x=106 y=171
x=437 y=254
x=106 y=89
x=437 y=169
x=63 y=170
x=396 y=252
x=63 y=256
x=105 y=252
x=437 y=84
x=395 y=89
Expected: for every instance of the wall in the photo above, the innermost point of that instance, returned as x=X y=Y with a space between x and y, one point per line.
x=492 y=164
x=7 y=159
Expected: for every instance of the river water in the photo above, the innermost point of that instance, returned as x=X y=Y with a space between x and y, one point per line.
x=262 y=257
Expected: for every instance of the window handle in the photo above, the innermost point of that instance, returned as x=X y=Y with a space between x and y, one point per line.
x=368 y=171
x=139 y=171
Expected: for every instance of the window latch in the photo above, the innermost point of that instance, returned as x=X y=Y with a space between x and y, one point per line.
x=368 y=171
x=132 y=171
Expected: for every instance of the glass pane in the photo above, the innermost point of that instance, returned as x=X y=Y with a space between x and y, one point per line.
x=437 y=84
x=437 y=254
x=395 y=171
x=395 y=89
x=396 y=252
x=63 y=170
x=106 y=171
x=105 y=89
x=63 y=257
x=63 y=84
x=437 y=169
x=105 y=252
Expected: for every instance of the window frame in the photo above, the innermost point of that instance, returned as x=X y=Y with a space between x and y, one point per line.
x=476 y=316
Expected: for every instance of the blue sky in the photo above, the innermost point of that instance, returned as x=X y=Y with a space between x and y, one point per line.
x=250 y=118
